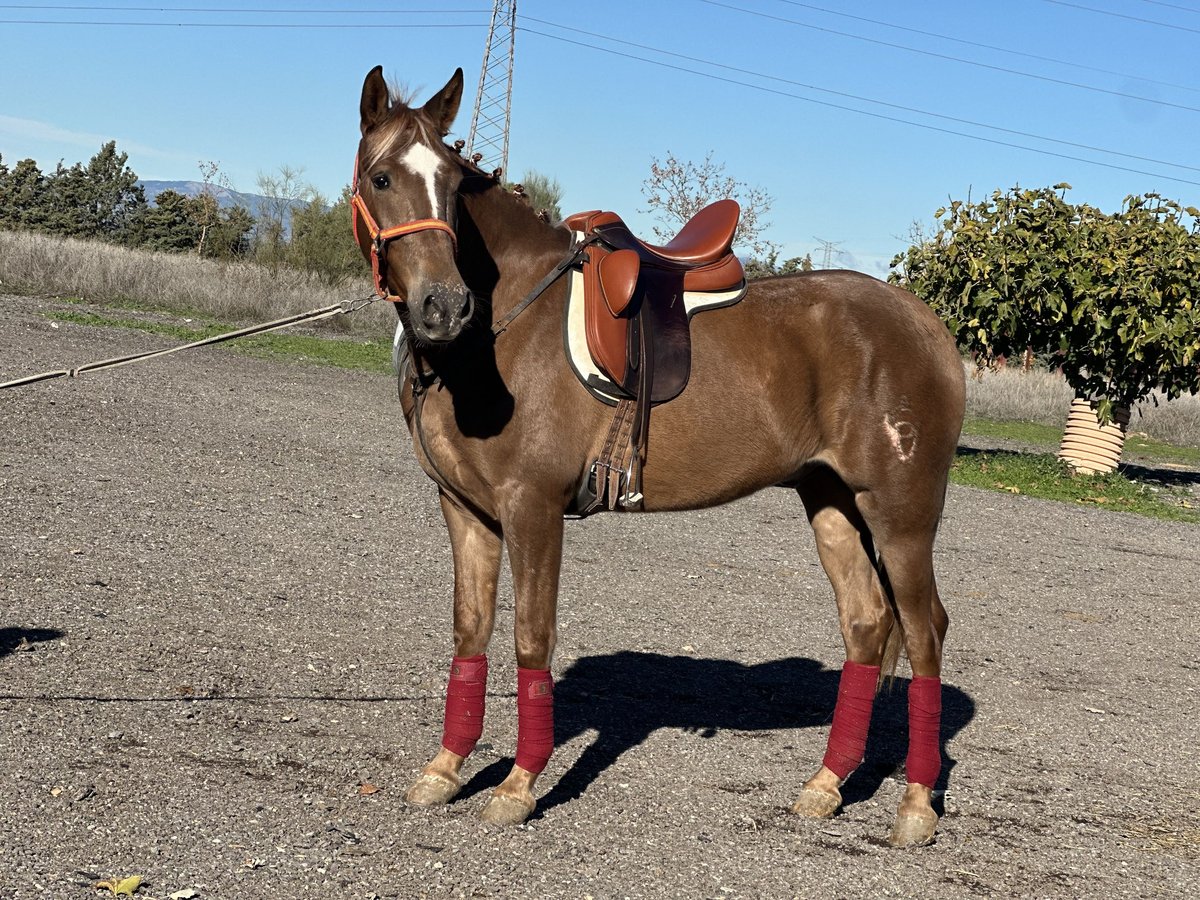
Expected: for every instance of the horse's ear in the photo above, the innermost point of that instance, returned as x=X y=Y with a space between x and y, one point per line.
x=375 y=99
x=443 y=106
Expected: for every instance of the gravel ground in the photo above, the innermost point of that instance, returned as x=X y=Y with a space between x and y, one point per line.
x=225 y=609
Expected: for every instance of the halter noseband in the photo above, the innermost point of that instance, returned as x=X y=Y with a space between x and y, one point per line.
x=380 y=237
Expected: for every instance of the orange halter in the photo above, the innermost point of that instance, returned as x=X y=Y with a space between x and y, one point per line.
x=381 y=236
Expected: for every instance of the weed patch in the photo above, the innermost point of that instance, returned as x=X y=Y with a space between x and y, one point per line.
x=1044 y=476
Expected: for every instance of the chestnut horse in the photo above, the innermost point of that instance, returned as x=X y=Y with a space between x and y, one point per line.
x=845 y=389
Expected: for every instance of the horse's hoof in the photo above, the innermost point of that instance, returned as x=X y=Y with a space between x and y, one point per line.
x=432 y=790
x=913 y=830
x=502 y=809
x=814 y=804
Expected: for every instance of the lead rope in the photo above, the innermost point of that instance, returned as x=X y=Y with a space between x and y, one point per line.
x=312 y=315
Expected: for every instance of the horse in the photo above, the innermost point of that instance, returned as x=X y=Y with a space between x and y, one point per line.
x=836 y=385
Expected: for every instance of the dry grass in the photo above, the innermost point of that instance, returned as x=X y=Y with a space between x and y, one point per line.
x=227 y=292
x=1039 y=396
x=1165 y=836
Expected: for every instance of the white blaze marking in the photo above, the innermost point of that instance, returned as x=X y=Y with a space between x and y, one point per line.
x=424 y=162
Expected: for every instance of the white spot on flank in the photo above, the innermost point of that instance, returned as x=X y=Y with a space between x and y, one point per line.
x=903 y=436
x=424 y=162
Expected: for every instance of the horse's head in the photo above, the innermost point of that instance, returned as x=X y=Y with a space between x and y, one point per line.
x=404 y=206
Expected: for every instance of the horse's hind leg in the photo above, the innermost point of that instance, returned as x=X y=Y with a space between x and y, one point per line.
x=909 y=562
x=904 y=529
x=477 y=550
x=847 y=554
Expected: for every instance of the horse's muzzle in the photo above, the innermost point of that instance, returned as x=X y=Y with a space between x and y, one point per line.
x=443 y=312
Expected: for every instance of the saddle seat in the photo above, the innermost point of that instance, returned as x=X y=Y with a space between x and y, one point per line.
x=634 y=291
x=702 y=248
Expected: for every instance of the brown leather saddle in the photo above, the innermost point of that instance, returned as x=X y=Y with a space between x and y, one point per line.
x=638 y=299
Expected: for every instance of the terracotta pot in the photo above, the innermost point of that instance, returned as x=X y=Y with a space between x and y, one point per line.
x=1087 y=447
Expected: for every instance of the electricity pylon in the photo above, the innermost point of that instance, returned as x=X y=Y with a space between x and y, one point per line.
x=829 y=251
x=493 y=100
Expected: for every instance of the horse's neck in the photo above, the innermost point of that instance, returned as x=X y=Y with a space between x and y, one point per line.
x=515 y=248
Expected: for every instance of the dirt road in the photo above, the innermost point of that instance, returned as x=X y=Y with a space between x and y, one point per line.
x=225 y=607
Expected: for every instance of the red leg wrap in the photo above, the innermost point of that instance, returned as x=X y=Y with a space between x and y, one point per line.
x=464 y=704
x=851 y=718
x=535 y=718
x=924 y=762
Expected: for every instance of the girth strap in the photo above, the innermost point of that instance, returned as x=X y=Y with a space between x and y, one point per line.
x=614 y=468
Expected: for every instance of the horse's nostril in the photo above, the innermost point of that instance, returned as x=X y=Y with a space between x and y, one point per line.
x=443 y=312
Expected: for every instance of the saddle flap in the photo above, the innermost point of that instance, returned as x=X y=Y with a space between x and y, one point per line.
x=618 y=278
x=607 y=334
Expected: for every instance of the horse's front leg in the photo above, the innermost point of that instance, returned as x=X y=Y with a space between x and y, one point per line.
x=533 y=532
x=477 y=549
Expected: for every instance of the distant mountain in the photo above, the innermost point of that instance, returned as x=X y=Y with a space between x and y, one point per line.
x=225 y=197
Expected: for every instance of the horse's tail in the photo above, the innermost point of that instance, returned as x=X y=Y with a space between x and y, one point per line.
x=894 y=644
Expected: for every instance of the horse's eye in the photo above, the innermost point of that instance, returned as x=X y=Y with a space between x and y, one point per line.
x=381 y=182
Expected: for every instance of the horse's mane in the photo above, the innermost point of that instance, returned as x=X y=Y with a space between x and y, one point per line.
x=477 y=181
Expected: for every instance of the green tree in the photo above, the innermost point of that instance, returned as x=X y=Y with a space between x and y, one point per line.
x=765 y=268
x=1113 y=297
x=22 y=197
x=229 y=237
x=543 y=192
x=169 y=224
x=206 y=209
x=177 y=223
x=99 y=200
x=321 y=240
x=67 y=203
x=114 y=197
x=224 y=231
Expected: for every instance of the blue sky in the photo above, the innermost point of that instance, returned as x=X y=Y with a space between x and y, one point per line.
x=800 y=99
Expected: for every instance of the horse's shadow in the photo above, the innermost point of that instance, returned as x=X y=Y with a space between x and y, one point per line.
x=625 y=697
x=13 y=640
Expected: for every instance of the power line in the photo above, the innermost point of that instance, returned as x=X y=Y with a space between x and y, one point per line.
x=847 y=95
x=1117 y=15
x=958 y=59
x=1173 y=6
x=376 y=24
x=861 y=112
x=240 y=24
x=235 y=9
x=1009 y=50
